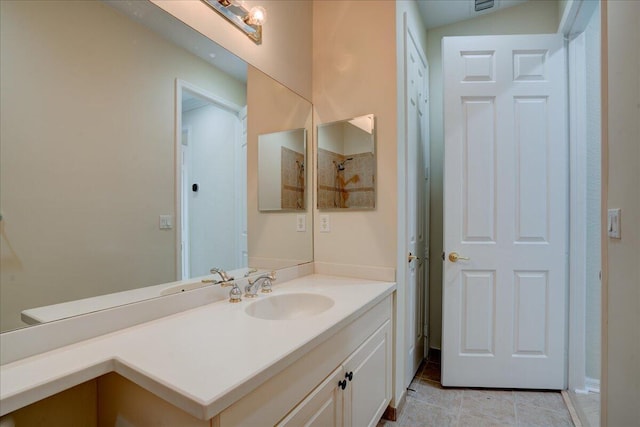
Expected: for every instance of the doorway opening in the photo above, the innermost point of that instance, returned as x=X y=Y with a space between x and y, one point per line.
x=581 y=26
x=519 y=19
x=210 y=179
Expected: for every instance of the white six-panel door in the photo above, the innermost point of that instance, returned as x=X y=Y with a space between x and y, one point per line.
x=506 y=209
x=416 y=205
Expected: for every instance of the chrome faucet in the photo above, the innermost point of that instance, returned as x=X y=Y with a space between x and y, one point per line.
x=235 y=294
x=251 y=289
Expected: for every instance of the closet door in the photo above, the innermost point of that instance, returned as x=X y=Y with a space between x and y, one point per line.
x=505 y=212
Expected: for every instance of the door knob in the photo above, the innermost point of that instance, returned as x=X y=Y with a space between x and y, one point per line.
x=412 y=257
x=454 y=257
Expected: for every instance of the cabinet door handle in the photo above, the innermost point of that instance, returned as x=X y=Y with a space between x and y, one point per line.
x=342 y=384
x=349 y=375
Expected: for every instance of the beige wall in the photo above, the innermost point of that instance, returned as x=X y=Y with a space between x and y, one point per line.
x=285 y=52
x=87 y=151
x=621 y=176
x=274 y=240
x=354 y=73
x=533 y=17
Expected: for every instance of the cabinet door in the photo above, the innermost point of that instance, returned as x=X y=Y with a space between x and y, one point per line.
x=369 y=391
x=322 y=408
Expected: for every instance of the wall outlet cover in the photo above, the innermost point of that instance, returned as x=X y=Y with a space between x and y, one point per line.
x=325 y=224
x=301 y=223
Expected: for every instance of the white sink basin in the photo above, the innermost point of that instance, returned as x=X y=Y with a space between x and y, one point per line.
x=289 y=306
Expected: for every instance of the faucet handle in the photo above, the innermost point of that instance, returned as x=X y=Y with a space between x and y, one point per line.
x=235 y=294
x=266 y=285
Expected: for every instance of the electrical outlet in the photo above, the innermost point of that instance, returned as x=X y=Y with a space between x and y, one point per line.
x=325 y=224
x=301 y=223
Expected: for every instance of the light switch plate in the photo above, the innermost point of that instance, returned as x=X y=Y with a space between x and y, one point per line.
x=301 y=223
x=325 y=224
x=613 y=223
x=166 y=222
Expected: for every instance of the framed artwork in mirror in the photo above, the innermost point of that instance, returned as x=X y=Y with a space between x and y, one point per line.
x=347 y=164
x=281 y=170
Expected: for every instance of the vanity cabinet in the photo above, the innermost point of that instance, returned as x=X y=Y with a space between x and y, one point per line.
x=355 y=394
x=345 y=381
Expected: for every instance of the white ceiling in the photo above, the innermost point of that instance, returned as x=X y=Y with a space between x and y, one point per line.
x=437 y=13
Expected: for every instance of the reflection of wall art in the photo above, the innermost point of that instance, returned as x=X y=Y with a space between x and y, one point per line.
x=347 y=164
x=281 y=165
x=346 y=182
x=292 y=181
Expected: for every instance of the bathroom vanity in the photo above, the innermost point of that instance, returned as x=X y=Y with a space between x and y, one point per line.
x=229 y=364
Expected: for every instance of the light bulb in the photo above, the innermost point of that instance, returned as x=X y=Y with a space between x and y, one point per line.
x=257 y=16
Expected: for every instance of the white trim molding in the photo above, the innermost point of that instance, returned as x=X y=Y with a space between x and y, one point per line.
x=576 y=16
x=578 y=212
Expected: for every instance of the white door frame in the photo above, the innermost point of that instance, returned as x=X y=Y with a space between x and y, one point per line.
x=577 y=214
x=184 y=205
x=574 y=21
x=182 y=86
x=242 y=257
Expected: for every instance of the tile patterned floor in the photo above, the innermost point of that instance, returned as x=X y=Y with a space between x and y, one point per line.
x=429 y=404
x=588 y=408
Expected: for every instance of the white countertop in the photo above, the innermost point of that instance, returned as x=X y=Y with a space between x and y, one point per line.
x=201 y=360
x=50 y=313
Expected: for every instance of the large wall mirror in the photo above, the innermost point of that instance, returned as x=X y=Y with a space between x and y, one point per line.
x=347 y=164
x=128 y=154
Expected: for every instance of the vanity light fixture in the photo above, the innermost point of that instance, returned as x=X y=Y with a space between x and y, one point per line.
x=248 y=21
